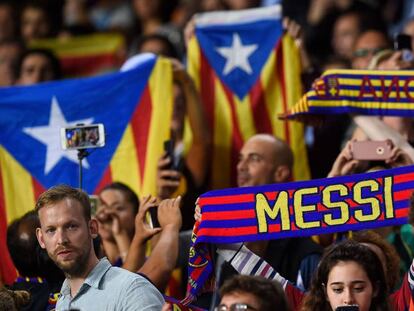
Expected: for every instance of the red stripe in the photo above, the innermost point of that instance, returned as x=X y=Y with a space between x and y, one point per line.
x=261 y=116
x=7 y=269
x=140 y=123
x=87 y=65
x=207 y=90
x=105 y=180
x=403 y=178
x=239 y=198
x=402 y=212
x=229 y=215
x=281 y=74
x=227 y=231
x=38 y=189
x=402 y=195
x=237 y=141
x=275 y=228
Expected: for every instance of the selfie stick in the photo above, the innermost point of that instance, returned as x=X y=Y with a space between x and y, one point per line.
x=82 y=154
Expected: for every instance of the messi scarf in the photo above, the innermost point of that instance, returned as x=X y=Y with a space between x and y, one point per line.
x=384 y=93
x=296 y=209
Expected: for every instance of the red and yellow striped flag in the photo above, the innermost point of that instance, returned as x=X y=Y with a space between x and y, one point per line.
x=86 y=55
x=247 y=73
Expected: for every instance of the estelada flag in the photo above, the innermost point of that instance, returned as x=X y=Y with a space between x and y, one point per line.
x=135 y=108
x=247 y=72
x=86 y=55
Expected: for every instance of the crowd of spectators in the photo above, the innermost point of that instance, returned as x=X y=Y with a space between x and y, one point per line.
x=369 y=269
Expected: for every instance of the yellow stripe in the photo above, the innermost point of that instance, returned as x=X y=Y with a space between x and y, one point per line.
x=82 y=45
x=244 y=116
x=369 y=72
x=193 y=61
x=292 y=70
x=374 y=82
x=17 y=186
x=272 y=93
x=124 y=163
x=372 y=105
x=162 y=105
x=193 y=68
x=222 y=138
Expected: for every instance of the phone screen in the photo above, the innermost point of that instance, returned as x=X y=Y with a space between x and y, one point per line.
x=82 y=137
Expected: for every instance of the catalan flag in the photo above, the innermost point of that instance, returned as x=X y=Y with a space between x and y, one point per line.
x=135 y=107
x=359 y=91
x=86 y=55
x=247 y=72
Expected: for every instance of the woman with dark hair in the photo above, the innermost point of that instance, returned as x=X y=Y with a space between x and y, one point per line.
x=349 y=274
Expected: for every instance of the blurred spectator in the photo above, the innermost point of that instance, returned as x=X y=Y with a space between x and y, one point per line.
x=13 y=300
x=241 y=4
x=37 y=65
x=8 y=25
x=345 y=32
x=116 y=217
x=35 y=22
x=154 y=17
x=111 y=15
x=366 y=46
x=244 y=292
x=37 y=272
x=157 y=44
x=10 y=52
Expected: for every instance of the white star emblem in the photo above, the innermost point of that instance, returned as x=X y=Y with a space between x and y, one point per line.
x=237 y=55
x=49 y=135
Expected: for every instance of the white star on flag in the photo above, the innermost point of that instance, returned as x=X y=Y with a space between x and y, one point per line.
x=237 y=55
x=49 y=135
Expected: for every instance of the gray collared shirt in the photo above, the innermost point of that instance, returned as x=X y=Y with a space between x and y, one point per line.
x=111 y=288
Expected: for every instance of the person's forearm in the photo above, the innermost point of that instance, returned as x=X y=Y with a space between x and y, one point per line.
x=136 y=255
x=161 y=263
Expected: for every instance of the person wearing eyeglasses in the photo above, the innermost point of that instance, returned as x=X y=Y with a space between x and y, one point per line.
x=368 y=44
x=251 y=293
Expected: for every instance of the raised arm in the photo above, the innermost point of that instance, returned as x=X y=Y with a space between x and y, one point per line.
x=162 y=261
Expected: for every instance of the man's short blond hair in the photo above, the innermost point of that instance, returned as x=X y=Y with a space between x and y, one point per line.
x=58 y=193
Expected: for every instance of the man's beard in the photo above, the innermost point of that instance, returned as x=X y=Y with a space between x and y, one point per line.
x=76 y=266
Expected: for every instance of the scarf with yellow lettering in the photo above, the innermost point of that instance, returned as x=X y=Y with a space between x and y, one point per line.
x=296 y=209
x=368 y=92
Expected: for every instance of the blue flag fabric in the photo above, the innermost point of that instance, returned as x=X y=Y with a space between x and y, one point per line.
x=31 y=118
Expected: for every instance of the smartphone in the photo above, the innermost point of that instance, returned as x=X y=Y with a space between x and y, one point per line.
x=348 y=308
x=153 y=211
x=169 y=150
x=83 y=136
x=371 y=150
x=402 y=42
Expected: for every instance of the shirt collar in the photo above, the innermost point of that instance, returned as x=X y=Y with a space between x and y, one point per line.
x=93 y=279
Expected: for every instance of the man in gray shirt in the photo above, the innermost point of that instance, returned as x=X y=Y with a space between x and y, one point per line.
x=66 y=233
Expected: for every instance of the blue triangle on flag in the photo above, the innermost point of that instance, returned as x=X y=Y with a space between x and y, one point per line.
x=238 y=52
x=31 y=118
